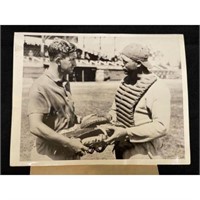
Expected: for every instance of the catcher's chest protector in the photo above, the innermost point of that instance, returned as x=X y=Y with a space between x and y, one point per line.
x=128 y=96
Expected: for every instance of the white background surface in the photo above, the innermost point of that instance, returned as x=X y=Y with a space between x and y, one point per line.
x=141 y=12
x=99 y=187
x=103 y=12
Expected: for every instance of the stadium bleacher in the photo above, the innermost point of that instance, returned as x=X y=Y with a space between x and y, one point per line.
x=86 y=61
x=36 y=49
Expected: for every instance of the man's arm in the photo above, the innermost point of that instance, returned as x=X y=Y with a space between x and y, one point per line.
x=38 y=128
x=159 y=106
x=160 y=111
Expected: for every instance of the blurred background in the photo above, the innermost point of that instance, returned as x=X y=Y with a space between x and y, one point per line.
x=98 y=56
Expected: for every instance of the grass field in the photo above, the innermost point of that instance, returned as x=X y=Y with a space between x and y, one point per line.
x=93 y=97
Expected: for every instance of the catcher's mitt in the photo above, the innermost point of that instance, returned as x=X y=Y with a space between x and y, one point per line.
x=89 y=129
x=93 y=120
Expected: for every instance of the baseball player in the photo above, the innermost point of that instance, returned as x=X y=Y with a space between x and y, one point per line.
x=141 y=106
x=51 y=109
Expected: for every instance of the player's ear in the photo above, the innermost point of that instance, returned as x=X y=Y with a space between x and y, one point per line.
x=57 y=60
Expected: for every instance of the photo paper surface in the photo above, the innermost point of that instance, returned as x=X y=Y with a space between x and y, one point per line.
x=124 y=102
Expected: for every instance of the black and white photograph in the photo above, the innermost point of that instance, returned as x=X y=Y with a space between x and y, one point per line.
x=90 y=99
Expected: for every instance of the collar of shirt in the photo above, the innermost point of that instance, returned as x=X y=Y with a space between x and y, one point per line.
x=58 y=81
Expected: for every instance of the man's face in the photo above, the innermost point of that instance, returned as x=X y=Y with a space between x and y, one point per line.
x=129 y=66
x=68 y=63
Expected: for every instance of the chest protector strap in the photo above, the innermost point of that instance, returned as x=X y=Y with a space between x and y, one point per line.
x=128 y=96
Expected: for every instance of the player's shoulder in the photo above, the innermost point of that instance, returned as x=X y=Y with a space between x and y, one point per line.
x=160 y=87
x=40 y=83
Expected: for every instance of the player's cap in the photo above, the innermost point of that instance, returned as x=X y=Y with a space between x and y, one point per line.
x=137 y=53
x=61 y=46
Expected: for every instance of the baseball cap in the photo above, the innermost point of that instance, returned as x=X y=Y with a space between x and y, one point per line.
x=60 y=46
x=137 y=53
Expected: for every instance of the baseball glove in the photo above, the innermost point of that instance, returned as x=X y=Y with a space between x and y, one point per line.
x=94 y=120
x=90 y=132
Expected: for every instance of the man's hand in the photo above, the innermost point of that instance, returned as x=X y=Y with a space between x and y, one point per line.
x=76 y=145
x=118 y=134
x=95 y=143
x=94 y=140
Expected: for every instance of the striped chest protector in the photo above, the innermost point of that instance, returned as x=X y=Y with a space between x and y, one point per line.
x=128 y=96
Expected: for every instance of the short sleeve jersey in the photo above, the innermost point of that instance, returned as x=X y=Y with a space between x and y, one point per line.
x=53 y=99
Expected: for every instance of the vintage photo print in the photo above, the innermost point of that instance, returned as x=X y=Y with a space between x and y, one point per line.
x=90 y=99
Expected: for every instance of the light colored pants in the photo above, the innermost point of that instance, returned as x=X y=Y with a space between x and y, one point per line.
x=148 y=150
x=139 y=153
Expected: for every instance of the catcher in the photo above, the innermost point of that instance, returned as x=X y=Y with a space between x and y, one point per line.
x=140 y=114
x=51 y=109
x=141 y=106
